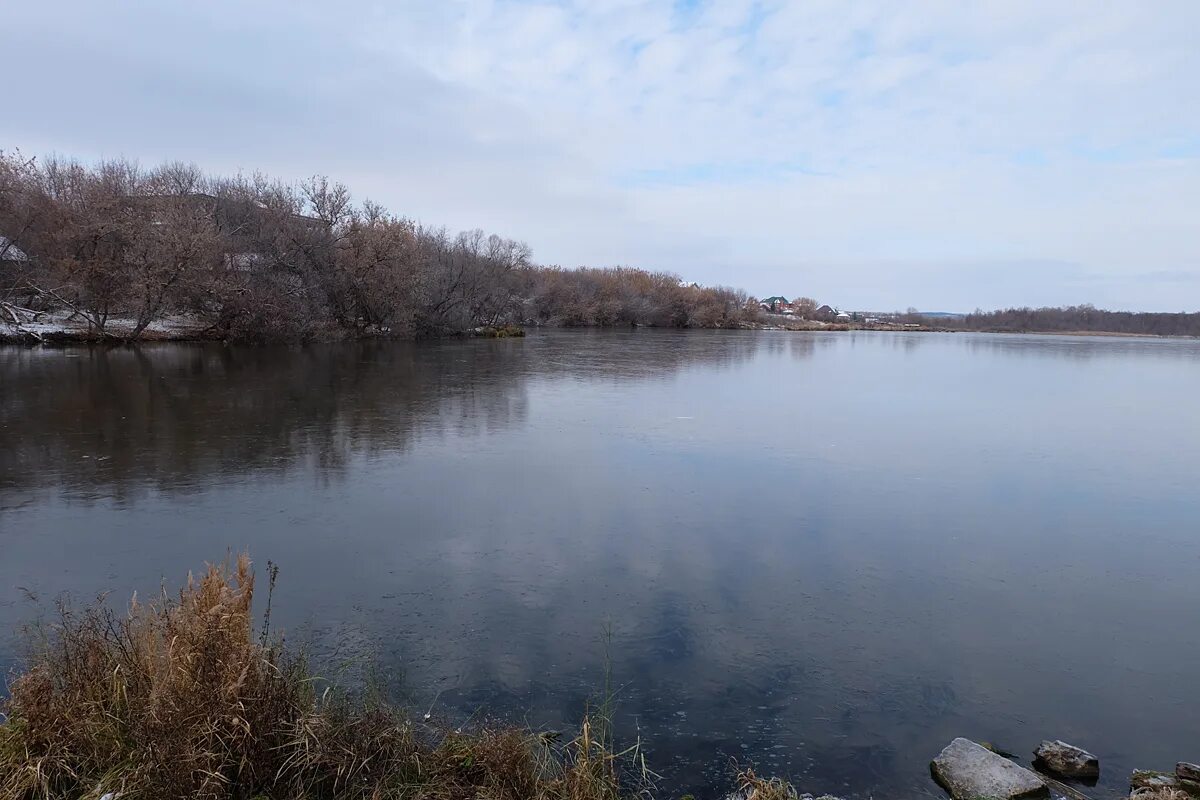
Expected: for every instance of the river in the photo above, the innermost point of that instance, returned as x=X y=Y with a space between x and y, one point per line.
x=825 y=555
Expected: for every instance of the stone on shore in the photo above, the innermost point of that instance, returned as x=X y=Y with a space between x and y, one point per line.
x=1067 y=760
x=1145 y=781
x=968 y=771
x=1187 y=772
x=1149 y=779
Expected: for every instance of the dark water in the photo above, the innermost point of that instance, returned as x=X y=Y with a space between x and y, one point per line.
x=824 y=555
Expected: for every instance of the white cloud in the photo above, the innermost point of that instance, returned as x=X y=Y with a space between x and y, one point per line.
x=873 y=153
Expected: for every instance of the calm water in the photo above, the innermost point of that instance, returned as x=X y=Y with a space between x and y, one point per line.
x=822 y=554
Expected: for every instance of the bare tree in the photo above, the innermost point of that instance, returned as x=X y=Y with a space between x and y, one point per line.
x=179 y=247
x=255 y=258
x=805 y=306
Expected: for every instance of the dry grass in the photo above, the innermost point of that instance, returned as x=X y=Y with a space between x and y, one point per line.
x=180 y=698
x=1161 y=793
x=752 y=787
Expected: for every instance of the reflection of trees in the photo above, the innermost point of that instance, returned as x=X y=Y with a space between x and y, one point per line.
x=1079 y=318
x=164 y=415
x=1079 y=348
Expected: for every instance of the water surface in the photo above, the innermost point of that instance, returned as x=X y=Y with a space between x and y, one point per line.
x=825 y=555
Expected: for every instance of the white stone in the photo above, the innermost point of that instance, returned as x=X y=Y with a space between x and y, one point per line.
x=969 y=771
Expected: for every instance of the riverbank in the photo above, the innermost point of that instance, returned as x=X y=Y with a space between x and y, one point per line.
x=62 y=328
x=186 y=697
x=51 y=328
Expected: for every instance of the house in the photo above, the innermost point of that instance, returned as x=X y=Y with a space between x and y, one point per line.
x=828 y=313
x=825 y=313
x=776 y=305
x=13 y=261
x=233 y=216
x=251 y=229
x=10 y=252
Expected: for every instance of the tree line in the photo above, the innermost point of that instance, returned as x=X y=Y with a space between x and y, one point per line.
x=1075 y=319
x=626 y=296
x=121 y=248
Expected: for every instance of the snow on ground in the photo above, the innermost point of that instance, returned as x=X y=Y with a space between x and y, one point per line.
x=60 y=324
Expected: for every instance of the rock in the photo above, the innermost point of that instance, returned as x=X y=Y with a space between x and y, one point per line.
x=1067 y=760
x=1187 y=772
x=1149 y=780
x=1146 y=781
x=968 y=771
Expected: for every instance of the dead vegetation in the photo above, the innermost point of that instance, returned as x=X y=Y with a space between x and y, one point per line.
x=752 y=787
x=182 y=697
x=116 y=250
x=1161 y=793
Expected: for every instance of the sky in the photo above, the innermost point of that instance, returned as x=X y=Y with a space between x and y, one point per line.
x=876 y=155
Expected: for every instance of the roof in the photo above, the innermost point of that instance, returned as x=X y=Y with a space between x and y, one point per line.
x=10 y=252
x=227 y=202
x=776 y=299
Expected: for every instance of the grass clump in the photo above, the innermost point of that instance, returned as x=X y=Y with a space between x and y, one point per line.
x=1160 y=793
x=751 y=787
x=181 y=698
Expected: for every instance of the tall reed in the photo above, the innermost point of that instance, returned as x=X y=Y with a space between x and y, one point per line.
x=181 y=697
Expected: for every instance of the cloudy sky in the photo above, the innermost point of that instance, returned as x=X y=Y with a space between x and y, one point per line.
x=939 y=154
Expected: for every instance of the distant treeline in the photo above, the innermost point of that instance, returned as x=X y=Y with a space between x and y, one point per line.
x=253 y=258
x=626 y=296
x=1072 y=319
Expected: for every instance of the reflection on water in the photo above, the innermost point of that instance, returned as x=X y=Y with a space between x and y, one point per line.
x=825 y=555
x=174 y=417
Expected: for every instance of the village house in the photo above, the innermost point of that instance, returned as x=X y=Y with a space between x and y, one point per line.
x=249 y=226
x=776 y=305
x=10 y=252
x=802 y=307
x=12 y=261
x=828 y=313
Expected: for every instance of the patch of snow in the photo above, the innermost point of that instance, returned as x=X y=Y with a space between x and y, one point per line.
x=60 y=323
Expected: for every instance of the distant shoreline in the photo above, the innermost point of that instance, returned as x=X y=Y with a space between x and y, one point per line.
x=810 y=327
x=182 y=332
